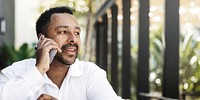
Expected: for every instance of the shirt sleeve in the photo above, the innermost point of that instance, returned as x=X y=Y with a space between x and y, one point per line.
x=99 y=88
x=22 y=86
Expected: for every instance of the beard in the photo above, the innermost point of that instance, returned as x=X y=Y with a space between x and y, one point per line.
x=67 y=59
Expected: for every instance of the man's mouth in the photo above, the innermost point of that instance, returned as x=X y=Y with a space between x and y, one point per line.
x=70 y=49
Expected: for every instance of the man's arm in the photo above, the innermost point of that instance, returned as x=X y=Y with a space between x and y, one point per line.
x=20 y=87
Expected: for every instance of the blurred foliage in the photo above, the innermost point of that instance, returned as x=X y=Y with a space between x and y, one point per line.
x=190 y=63
x=156 y=59
x=10 y=54
x=134 y=62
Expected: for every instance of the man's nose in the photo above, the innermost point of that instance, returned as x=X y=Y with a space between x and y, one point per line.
x=72 y=38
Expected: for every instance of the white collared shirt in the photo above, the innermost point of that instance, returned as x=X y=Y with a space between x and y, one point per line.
x=84 y=81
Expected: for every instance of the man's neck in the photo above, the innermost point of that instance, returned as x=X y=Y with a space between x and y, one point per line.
x=57 y=73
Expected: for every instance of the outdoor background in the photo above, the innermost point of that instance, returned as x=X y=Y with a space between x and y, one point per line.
x=18 y=39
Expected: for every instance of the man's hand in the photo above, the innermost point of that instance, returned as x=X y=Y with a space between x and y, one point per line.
x=42 y=54
x=46 y=97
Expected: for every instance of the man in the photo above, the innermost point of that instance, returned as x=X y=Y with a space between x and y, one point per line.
x=65 y=78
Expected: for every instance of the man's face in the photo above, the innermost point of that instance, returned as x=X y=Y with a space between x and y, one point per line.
x=65 y=31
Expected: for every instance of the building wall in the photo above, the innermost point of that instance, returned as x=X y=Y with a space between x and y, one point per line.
x=26 y=14
x=7 y=12
x=20 y=16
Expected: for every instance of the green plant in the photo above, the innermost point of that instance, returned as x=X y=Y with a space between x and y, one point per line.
x=9 y=54
x=190 y=65
x=189 y=61
x=156 y=59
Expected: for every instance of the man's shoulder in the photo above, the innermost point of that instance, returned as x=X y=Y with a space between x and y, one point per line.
x=21 y=65
x=87 y=64
x=29 y=61
x=89 y=67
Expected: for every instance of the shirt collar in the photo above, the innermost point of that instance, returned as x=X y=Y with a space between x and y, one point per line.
x=75 y=70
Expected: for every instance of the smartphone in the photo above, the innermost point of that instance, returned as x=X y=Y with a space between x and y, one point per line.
x=52 y=52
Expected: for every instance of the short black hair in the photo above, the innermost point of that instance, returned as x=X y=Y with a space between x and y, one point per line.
x=44 y=19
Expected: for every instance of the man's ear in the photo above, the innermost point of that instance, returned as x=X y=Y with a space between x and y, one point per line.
x=38 y=36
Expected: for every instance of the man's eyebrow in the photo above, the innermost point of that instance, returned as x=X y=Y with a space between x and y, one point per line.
x=61 y=27
x=67 y=27
x=78 y=28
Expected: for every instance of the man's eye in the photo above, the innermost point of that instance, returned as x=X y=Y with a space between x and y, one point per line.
x=62 y=32
x=76 y=33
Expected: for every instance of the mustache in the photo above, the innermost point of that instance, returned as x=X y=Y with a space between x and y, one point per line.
x=65 y=46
